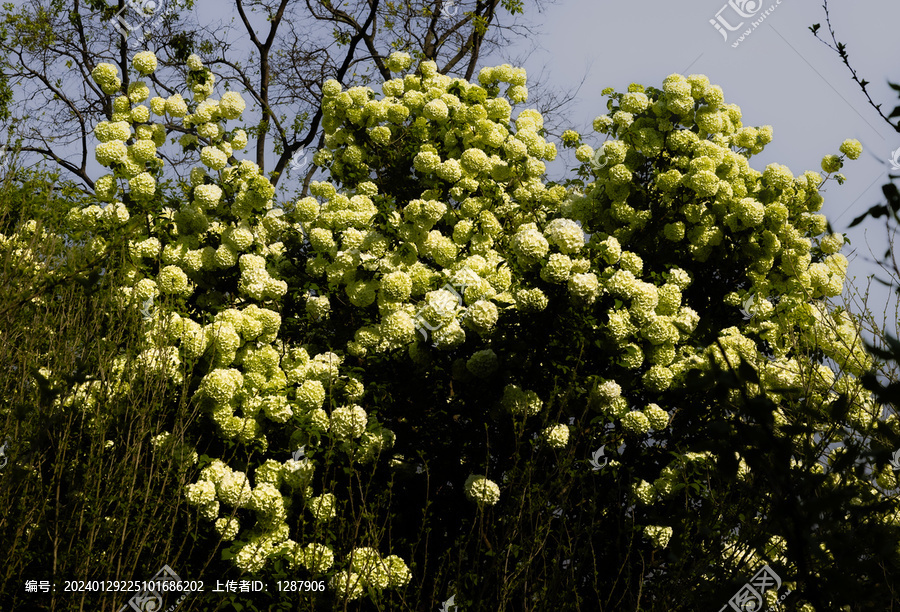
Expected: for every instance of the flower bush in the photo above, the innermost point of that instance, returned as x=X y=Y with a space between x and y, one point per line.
x=227 y=235
x=635 y=276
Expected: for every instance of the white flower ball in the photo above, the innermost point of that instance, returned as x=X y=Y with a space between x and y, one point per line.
x=232 y=105
x=201 y=492
x=660 y=536
x=636 y=422
x=521 y=402
x=317 y=558
x=235 y=490
x=227 y=528
x=565 y=234
x=322 y=507
x=481 y=490
x=657 y=417
x=556 y=436
x=144 y=62
x=347 y=584
x=318 y=307
x=483 y=363
x=348 y=423
x=584 y=287
x=173 y=280
x=482 y=316
x=398 y=573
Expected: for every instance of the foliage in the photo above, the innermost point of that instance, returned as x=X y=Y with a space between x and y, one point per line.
x=77 y=414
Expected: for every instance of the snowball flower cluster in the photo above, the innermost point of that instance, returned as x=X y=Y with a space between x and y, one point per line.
x=852 y=148
x=636 y=422
x=107 y=131
x=556 y=436
x=347 y=584
x=317 y=558
x=255 y=280
x=521 y=402
x=144 y=62
x=481 y=490
x=482 y=316
x=584 y=287
x=173 y=280
x=398 y=62
x=318 y=307
x=348 y=422
x=657 y=417
x=483 y=363
x=107 y=77
x=227 y=528
x=565 y=235
x=322 y=507
x=235 y=490
x=529 y=243
x=659 y=535
x=232 y=105
x=644 y=492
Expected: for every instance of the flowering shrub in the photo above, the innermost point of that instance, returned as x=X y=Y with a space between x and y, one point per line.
x=227 y=235
x=646 y=267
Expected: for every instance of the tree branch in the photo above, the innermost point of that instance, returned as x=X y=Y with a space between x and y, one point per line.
x=841 y=49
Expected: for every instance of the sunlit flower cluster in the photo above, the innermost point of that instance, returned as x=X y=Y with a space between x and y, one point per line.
x=481 y=150
x=659 y=535
x=556 y=436
x=322 y=507
x=481 y=490
x=709 y=202
x=227 y=225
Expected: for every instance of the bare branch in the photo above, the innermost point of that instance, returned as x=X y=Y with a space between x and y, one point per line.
x=841 y=49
